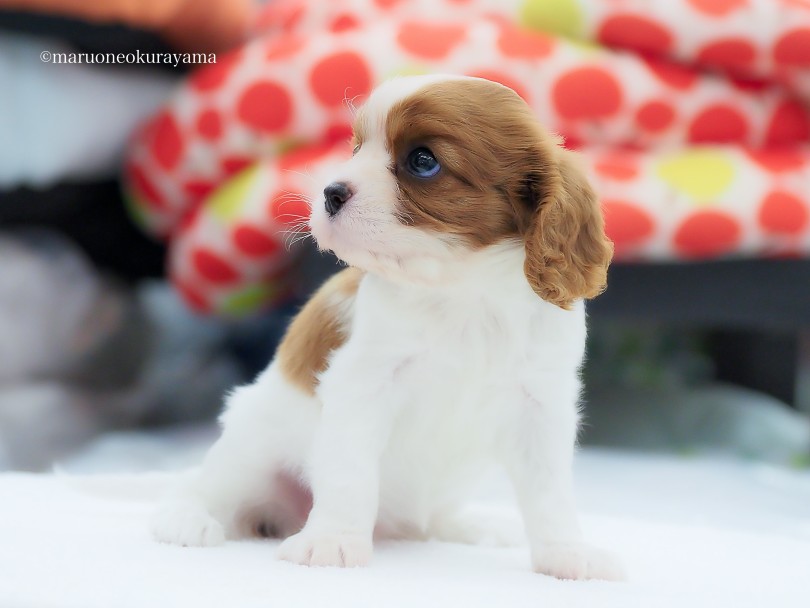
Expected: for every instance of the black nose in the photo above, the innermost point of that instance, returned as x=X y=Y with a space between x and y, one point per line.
x=335 y=196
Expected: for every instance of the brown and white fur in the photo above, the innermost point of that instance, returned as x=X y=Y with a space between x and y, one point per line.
x=453 y=340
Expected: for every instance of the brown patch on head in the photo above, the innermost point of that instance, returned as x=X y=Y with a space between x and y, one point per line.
x=477 y=131
x=502 y=177
x=317 y=330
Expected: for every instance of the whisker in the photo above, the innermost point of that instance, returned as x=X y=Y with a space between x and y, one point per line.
x=294 y=220
x=301 y=223
x=293 y=238
x=294 y=231
x=350 y=103
x=304 y=174
x=288 y=195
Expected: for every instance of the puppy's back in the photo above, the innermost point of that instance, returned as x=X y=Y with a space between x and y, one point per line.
x=319 y=328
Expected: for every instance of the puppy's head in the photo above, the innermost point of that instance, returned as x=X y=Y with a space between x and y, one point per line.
x=443 y=166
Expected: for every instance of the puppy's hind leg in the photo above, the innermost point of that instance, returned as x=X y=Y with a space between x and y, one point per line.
x=267 y=429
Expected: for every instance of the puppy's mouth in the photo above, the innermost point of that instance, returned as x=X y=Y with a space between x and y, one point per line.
x=383 y=246
x=327 y=229
x=348 y=232
x=345 y=221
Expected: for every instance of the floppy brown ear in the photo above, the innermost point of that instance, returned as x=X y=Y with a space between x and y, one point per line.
x=567 y=252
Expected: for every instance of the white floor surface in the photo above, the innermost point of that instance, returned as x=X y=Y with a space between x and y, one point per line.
x=693 y=532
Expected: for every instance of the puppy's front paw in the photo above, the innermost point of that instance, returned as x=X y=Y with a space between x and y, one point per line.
x=577 y=561
x=337 y=549
x=187 y=524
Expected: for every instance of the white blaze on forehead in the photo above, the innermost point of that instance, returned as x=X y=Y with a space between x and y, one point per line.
x=375 y=110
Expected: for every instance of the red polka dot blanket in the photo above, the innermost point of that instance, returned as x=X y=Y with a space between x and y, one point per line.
x=691 y=115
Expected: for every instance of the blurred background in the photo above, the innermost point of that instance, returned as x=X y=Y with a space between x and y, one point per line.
x=150 y=211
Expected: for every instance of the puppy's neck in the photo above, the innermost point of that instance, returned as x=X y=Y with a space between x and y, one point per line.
x=483 y=271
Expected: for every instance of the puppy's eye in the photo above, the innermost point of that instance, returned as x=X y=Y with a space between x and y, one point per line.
x=422 y=163
x=356 y=149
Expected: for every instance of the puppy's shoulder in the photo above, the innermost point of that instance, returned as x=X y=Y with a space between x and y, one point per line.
x=319 y=328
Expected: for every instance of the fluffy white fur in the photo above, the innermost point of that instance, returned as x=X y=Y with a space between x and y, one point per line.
x=452 y=363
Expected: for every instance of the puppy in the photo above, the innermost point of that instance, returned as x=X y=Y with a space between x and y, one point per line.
x=454 y=339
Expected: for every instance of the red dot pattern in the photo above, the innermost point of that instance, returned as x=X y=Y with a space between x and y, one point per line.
x=793 y=48
x=340 y=76
x=635 y=32
x=718 y=124
x=518 y=43
x=707 y=234
x=655 y=116
x=617 y=167
x=253 y=242
x=780 y=159
x=300 y=158
x=340 y=132
x=209 y=124
x=344 y=22
x=749 y=84
x=190 y=216
x=718 y=8
x=234 y=164
x=626 y=224
x=167 y=142
x=191 y=296
x=212 y=267
x=293 y=17
x=265 y=106
x=214 y=75
x=587 y=93
x=288 y=208
x=144 y=190
x=728 y=53
x=430 y=41
x=783 y=213
x=288 y=90
x=198 y=189
x=672 y=74
x=284 y=48
x=789 y=120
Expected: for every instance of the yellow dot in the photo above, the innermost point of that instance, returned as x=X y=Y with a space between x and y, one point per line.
x=586 y=47
x=701 y=174
x=249 y=300
x=227 y=202
x=408 y=70
x=289 y=143
x=562 y=17
x=138 y=211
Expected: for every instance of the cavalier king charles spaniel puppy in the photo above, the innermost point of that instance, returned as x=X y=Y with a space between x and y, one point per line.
x=453 y=340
